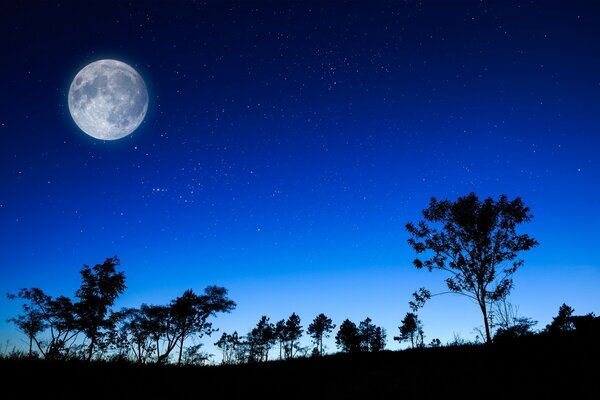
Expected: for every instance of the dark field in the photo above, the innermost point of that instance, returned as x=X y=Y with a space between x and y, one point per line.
x=536 y=366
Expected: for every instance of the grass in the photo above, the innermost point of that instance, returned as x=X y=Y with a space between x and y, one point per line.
x=535 y=366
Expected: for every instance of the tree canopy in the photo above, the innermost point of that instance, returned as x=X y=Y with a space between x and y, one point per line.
x=476 y=242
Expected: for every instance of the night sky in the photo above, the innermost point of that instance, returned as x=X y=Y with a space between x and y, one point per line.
x=286 y=146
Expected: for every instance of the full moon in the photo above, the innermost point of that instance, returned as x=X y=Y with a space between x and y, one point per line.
x=108 y=99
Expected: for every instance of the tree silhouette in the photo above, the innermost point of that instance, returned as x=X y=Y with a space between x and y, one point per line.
x=229 y=346
x=156 y=322
x=193 y=356
x=508 y=324
x=31 y=323
x=100 y=287
x=261 y=339
x=280 y=335
x=318 y=329
x=347 y=338
x=587 y=324
x=377 y=341
x=411 y=330
x=367 y=337
x=563 y=322
x=132 y=334
x=476 y=243
x=189 y=314
x=371 y=337
x=292 y=333
x=42 y=313
x=412 y=327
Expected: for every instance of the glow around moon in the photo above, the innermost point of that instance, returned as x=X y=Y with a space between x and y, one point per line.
x=108 y=99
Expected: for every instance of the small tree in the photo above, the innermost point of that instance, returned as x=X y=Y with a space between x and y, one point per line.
x=157 y=323
x=31 y=323
x=261 y=339
x=132 y=334
x=411 y=330
x=347 y=338
x=371 y=337
x=476 y=243
x=321 y=327
x=229 y=346
x=194 y=356
x=563 y=322
x=505 y=319
x=42 y=313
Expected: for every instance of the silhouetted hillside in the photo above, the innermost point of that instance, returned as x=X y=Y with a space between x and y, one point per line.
x=533 y=366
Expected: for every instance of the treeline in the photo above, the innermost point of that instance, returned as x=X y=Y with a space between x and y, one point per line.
x=86 y=327
x=285 y=335
x=474 y=242
x=60 y=328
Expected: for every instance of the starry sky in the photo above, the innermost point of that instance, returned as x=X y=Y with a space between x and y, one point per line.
x=287 y=144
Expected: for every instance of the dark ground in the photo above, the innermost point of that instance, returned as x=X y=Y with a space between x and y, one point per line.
x=536 y=367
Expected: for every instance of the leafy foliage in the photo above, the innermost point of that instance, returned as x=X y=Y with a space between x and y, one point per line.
x=367 y=337
x=411 y=330
x=261 y=339
x=563 y=322
x=292 y=334
x=229 y=345
x=347 y=339
x=476 y=242
x=101 y=285
x=318 y=329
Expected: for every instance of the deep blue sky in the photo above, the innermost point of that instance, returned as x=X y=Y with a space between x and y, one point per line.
x=286 y=146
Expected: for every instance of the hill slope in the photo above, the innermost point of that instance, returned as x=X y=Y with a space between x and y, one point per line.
x=534 y=366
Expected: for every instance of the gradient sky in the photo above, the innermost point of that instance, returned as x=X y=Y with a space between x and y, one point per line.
x=286 y=145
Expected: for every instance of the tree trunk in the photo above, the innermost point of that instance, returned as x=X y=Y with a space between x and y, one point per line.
x=30 y=345
x=488 y=337
x=180 y=352
x=321 y=347
x=91 y=348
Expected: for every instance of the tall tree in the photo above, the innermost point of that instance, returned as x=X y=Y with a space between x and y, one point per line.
x=476 y=242
x=189 y=314
x=293 y=332
x=377 y=341
x=319 y=328
x=280 y=335
x=100 y=286
x=260 y=339
x=157 y=323
x=347 y=338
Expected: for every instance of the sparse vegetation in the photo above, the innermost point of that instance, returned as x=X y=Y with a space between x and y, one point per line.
x=85 y=336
